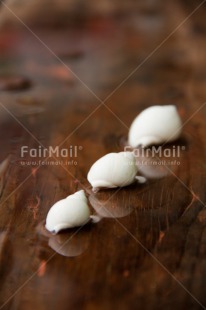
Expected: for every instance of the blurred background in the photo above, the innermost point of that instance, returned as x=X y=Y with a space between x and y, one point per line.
x=64 y=12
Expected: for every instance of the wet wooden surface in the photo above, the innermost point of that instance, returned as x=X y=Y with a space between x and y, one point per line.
x=148 y=251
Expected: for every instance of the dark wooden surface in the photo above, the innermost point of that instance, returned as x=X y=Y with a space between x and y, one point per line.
x=149 y=250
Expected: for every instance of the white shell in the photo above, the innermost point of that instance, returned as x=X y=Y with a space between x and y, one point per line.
x=72 y=211
x=155 y=125
x=113 y=170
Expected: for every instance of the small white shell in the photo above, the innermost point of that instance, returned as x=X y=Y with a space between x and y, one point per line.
x=113 y=170
x=72 y=211
x=155 y=125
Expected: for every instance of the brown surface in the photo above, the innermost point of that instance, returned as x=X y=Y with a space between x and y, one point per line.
x=152 y=254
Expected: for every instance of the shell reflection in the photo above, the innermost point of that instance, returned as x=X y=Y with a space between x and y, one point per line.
x=159 y=162
x=70 y=245
x=113 y=204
